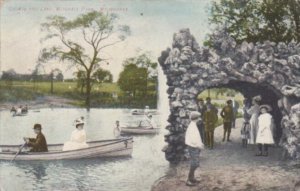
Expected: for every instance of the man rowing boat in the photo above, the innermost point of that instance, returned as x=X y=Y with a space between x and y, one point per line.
x=38 y=144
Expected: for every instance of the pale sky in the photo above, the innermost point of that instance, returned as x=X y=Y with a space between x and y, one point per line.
x=151 y=32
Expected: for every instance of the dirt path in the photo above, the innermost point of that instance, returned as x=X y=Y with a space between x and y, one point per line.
x=230 y=167
x=41 y=102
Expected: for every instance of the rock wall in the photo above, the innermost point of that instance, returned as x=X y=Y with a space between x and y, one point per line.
x=264 y=67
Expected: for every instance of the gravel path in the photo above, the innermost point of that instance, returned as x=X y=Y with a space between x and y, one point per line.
x=230 y=167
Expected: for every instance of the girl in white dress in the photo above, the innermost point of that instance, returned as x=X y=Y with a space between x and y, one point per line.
x=265 y=130
x=254 y=112
x=78 y=138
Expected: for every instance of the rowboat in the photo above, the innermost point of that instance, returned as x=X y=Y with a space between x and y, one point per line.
x=137 y=112
x=19 y=114
x=139 y=130
x=97 y=149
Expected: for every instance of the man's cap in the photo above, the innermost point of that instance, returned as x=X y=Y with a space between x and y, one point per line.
x=229 y=101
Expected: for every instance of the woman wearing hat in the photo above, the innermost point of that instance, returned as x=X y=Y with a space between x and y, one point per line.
x=254 y=112
x=78 y=138
x=265 y=130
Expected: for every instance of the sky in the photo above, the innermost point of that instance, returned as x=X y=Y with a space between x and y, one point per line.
x=152 y=24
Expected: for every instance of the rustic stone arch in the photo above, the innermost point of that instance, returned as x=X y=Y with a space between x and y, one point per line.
x=267 y=69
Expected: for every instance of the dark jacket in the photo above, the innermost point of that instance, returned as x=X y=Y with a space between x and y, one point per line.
x=210 y=119
x=227 y=114
x=38 y=144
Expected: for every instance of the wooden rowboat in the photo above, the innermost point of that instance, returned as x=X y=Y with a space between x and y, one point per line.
x=105 y=148
x=139 y=130
x=19 y=114
x=136 y=112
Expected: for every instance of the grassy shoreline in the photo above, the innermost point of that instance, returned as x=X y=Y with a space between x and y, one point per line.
x=106 y=95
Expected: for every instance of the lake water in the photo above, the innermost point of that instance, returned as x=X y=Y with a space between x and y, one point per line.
x=136 y=173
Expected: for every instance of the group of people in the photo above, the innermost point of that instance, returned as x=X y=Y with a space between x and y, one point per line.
x=258 y=125
x=257 y=128
x=19 y=110
x=77 y=139
x=209 y=117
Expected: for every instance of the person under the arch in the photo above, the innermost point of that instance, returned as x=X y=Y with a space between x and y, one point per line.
x=254 y=112
x=200 y=122
x=265 y=130
x=210 y=119
x=208 y=103
x=227 y=115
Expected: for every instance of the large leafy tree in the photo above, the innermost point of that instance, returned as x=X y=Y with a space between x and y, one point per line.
x=133 y=79
x=99 y=76
x=81 y=42
x=258 y=20
x=138 y=73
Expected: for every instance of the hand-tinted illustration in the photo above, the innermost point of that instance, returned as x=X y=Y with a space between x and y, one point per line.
x=150 y=95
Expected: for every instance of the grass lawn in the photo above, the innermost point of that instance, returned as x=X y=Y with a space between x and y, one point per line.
x=60 y=88
x=102 y=94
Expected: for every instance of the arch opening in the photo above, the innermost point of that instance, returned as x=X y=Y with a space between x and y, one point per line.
x=247 y=91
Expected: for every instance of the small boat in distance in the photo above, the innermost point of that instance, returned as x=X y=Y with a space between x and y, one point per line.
x=141 y=112
x=97 y=149
x=139 y=130
x=19 y=114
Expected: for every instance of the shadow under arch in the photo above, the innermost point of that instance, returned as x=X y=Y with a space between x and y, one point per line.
x=268 y=93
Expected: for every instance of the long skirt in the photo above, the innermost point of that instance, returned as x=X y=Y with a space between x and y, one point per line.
x=253 y=129
x=70 y=145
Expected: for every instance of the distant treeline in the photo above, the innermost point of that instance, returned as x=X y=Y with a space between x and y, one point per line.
x=11 y=75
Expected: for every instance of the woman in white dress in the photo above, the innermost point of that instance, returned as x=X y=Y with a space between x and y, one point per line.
x=254 y=112
x=78 y=138
x=265 y=130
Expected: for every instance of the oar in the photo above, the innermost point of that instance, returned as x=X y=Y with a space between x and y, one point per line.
x=18 y=152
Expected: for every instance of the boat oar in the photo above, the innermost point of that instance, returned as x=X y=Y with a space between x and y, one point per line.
x=18 y=152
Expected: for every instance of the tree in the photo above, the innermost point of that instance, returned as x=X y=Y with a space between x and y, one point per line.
x=81 y=78
x=9 y=76
x=258 y=20
x=133 y=79
x=148 y=69
x=82 y=41
x=102 y=75
x=53 y=74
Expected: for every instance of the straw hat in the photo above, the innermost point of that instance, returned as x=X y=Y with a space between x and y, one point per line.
x=194 y=115
x=267 y=107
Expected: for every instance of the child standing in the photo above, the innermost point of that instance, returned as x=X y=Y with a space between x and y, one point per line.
x=265 y=130
x=194 y=144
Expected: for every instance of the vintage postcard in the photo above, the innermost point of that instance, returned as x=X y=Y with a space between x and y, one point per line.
x=150 y=95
